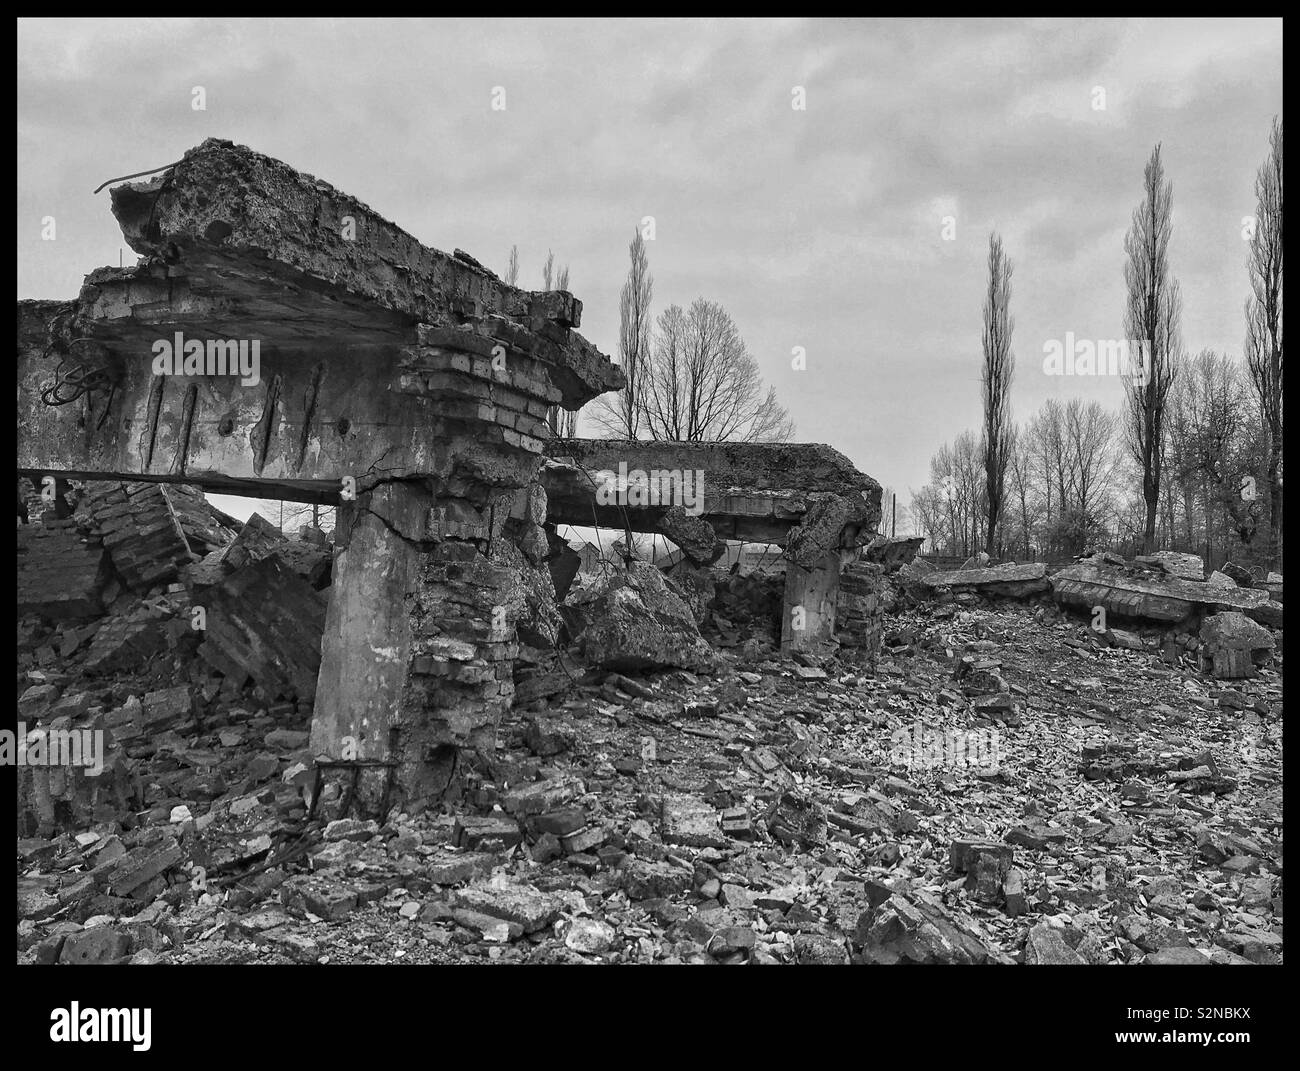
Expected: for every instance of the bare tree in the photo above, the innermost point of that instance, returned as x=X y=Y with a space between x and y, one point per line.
x=562 y=278
x=548 y=271
x=1092 y=460
x=999 y=366
x=927 y=511
x=1046 y=447
x=512 y=272
x=1020 y=471
x=1264 y=325
x=621 y=418
x=1151 y=317
x=702 y=384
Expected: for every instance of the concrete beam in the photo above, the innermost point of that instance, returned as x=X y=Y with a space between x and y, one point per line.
x=805 y=496
x=238 y=246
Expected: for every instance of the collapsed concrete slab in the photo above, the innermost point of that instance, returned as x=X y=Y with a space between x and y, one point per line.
x=1139 y=593
x=1001 y=581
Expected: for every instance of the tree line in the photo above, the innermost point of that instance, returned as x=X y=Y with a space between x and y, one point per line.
x=1190 y=460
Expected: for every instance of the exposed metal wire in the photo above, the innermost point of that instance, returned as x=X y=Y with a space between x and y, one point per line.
x=72 y=381
x=138 y=174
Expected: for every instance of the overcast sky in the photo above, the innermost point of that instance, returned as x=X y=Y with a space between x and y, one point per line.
x=819 y=228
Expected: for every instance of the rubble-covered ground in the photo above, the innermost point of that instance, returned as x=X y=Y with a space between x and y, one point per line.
x=1003 y=785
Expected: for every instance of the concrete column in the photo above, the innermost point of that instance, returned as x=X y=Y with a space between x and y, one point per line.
x=808 y=612
x=429 y=594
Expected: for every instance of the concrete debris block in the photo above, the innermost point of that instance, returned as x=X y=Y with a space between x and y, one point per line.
x=633 y=621
x=96 y=944
x=501 y=831
x=257 y=539
x=36 y=700
x=1004 y=581
x=735 y=822
x=561 y=822
x=61 y=572
x=728 y=940
x=584 y=841
x=1267 y=613
x=453 y=868
x=902 y=930
x=694 y=584
x=1234 y=631
x=324 y=897
x=132 y=873
x=1036 y=837
x=1232 y=645
x=1273 y=585
x=540 y=796
x=798 y=820
x=986 y=865
x=264 y=622
x=1239 y=574
x=354 y=829
x=892 y=551
x=166 y=707
x=1013 y=892
x=1045 y=946
x=1144 y=594
x=126 y=643
x=139 y=527
x=693 y=534
x=547 y=736
x=1131 y=641
x=1174 y=563
x=491 y=929
x=820 y=949
x=589 y=936
x=515 y=902
x=1178 y=956
x=691 y=821
x=647 y=880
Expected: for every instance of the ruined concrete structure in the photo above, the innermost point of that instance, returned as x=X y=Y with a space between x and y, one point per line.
x=408 y=387
x=808 y=498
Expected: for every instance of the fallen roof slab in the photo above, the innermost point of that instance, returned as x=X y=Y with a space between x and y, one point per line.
x=1168 y=599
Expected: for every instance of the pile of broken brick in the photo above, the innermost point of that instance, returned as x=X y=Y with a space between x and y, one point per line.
x=655 y=798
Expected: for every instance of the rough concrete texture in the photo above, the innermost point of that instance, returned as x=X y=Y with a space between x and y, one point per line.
x=631 y=620
x=239 y=246
x=807 y=497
